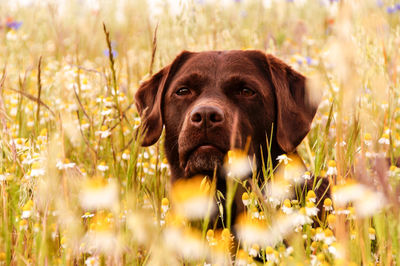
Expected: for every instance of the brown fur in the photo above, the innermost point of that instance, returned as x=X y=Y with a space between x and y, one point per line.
x=217 y=114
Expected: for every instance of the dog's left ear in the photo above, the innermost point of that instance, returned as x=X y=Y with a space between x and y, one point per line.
x=294 y=108
x=149 y=98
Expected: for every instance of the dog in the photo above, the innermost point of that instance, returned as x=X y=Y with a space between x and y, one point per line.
x=210 y=102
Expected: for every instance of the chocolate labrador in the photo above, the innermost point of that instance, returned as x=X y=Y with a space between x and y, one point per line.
x=212 y=101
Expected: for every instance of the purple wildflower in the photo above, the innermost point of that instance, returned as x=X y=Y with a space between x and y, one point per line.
x=12 y=24
x=390 y=9
x=106 y=52
x=300 y=62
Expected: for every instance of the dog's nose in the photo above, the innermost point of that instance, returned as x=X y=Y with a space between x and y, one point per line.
x=206 y=115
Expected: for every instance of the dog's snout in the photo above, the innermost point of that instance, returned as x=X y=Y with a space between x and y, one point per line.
x=208 y=116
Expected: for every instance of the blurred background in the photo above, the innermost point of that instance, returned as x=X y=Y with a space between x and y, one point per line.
x=77 y=188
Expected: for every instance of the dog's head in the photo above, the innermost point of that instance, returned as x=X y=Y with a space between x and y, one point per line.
x=210 y=102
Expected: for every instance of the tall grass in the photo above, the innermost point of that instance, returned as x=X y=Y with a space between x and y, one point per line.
x=77 y=188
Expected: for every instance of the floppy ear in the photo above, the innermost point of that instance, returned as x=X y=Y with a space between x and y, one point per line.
x=294 y=110
x=149 y=96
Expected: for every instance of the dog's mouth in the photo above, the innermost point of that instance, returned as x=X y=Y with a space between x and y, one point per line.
x=206 y=148
x=203 y=159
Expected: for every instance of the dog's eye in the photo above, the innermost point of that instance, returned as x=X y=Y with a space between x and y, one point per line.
x=246 y=92
x=183 y=91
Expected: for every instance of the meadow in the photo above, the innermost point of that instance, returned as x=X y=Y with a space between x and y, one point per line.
x=76 y=187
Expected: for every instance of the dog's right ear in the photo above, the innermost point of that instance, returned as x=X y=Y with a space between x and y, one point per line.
x=149 y=97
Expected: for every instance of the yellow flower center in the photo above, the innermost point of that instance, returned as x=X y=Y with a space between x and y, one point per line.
x=367 y=136
x=320 y=257
x=331 y=163
x=226 y=234
x=314 y=244
x=28 y=206
x=351 y=210
x=287 y=203
x=245 y=196
x=164 y=202
x=331 y=219
x=43 y=132
x=269 y=250
x=328 y=202
x=311 y=194
x=328 y=232
x=242 y=254
x=210 y=234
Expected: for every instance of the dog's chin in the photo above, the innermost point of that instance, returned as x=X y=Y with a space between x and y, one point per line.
x=204 y=161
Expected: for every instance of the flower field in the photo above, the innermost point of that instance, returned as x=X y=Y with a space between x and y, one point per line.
x=76 y=187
